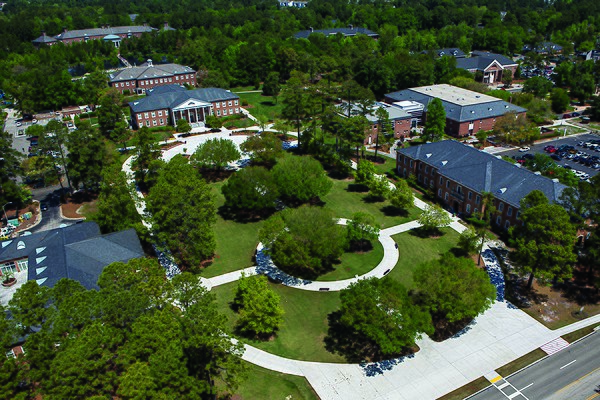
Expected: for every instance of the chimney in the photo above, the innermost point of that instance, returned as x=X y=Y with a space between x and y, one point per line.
x=311 y=29
x=145 y=24
x=44 y=33
x=351 y=26
x=149 y=61
x=166 y=25
x=65 y=29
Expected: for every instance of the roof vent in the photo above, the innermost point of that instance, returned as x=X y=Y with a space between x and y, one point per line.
x=39 y=250
x=38 y=260
x=477 y=96
x=506 y=106
x=428 y=155
x=444 y=162
x=40 y=281
x=537 y=173
x=20 y=245
x=489 y=108
x=502 y=190
x=499 y=157
x=555 y=180
x=472 y=111
x=40 y=270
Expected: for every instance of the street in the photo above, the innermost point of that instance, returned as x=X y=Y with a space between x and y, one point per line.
x=571 y=373
x=51 y=218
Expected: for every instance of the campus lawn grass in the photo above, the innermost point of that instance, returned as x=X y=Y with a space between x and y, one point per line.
x=266 y=384
x=415 y=251
x=467 y=390
x=352 y=264
x=262 y=105
x=305 y=322
x=386 y=168
x=346 y=203
x=236 y=242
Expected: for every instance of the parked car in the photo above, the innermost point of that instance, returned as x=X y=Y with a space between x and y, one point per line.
x=565 y=116
x=556 y=157
x=43 y=206
x=524 y=149
x=575 y=114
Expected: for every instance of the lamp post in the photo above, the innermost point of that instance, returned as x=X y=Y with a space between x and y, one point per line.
x=5 y=217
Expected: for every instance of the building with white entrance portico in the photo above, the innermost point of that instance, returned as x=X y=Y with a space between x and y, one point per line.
x=165 y=105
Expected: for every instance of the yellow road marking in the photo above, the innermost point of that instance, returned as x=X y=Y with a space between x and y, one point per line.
x=593 y=396
x=496 y=379
x=574 y=382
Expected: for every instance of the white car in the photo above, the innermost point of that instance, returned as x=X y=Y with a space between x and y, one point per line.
x=34 y=121
x=18 y=124
x=524 y=149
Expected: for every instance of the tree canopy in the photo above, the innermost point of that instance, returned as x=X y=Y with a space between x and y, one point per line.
x=215 y=154
x=301 y=179
x=258 y=305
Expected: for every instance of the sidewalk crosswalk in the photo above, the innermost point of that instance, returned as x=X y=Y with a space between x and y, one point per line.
x=555 y=346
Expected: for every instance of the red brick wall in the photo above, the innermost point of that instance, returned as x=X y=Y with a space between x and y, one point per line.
x=151 y=118
x=401 y=129
x=226 y=108
x=147 y=84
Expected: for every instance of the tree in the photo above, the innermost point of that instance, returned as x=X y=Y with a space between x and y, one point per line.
x=365 y=171
x=435 y=123
x=304 y=241
x=453 y=289
x=361 y=229
x=301 y=179
x=515 y=129
x=560 y=100
x=354 y=131
x=385 y=128
x=379 y=187
x=401 y=197
x=468 y=241
x=183 y=212
x=296 y=102
x=215 y=154
x=109 y=111
x=250 y=189
x=382 y=317
x=259 y=306
x=28 y=306
x=433 y=218
x=583 y=87
x=271 y=85
x=538 y=85
x=87 y=156
x=40 y=168
x=146 y=153
x=595 y=108
x=183 y=126
x=54 y=139
x=507 y=78
x=543 y=243
x=265 y=148
x=213 y=122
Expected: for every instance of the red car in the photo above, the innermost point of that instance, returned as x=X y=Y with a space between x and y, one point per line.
x=550 y=149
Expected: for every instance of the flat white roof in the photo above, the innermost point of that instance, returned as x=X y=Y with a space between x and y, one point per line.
x=454 y=95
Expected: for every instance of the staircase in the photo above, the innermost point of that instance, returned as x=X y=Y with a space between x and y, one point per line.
x=124 y=61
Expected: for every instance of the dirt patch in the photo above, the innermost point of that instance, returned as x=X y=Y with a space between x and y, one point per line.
x=24 y=224
x=72 y=206
x=169 y=146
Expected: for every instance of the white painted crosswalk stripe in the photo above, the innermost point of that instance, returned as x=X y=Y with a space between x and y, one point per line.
x=555 y=346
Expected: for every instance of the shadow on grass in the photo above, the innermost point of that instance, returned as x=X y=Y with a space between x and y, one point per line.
x=369 y=199
x=426 y=233
x=267 y=104
x=244 y=216
x=357 y=188
x=391 y=211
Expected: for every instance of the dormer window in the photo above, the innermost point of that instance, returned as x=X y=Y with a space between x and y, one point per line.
x=20 y=245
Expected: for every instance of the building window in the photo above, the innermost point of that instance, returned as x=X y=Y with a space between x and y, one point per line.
x=426 y=181
x=218 y=113
x=237 y=110
x=147 y=123
x=139 y=116
x=420 y=166
x=439 y=192
x=127 y=84
x=475 y=211
x=236 y=103
x=405 y=161
x=509 y=211
x=142 y=83
x=162 y=121
x=468 y=209
x=458 y=189
x=431 y=184
x=145 y=115
x=427 y=169
x=154 y=122
x=411 y=163
x=231 y=111
x=170 y=79
x=507 y=224
x=177 y=77
x=447 y=184
x=160 y=113
x=161 y=80
x=419 y=177
x=218 y=105
x=230 y=103
x=8 y=267
x=501 y=207
x=498 y=220
x=441 y=180
x=518 y=214
x=477 y=199
x=224 y=104
x=446 y=196
x=23 y=264
x=153 y=114
x=470 y=195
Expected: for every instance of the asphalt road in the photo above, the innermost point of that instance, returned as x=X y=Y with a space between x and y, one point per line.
x=569 y=374
x=569 y=140
x=51 y=218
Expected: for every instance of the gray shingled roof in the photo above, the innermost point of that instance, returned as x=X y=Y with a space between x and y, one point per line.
x=76 y=252
x=44 y=39
x=447 y=51
x=483 y=172
x=503 y=60
x=335 y=31
x=394 y=113
x=460 y=113
x=115 y=30
x=156 y=71
x=169 y=98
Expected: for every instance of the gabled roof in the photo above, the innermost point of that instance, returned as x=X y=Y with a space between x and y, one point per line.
x=448 y=51
x=44 y=39
x=149 y=72
x=394 y=113
x=502 y=60
x=173 y=96
x=460 y=104
x=115 y=30
x=76 y=252
x=483 y=172
x=335 y=31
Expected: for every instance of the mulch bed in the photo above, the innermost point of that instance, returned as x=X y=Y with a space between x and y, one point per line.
x=73 y=203
x=34 y=208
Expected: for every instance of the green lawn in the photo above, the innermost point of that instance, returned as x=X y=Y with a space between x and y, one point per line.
x=415 y=251
x=387 y=168
x=266 y=384
x=236 y=242
x=305 y=322
x=352 y=264
x=262 y=105
x=243 y=89
x=346 y=203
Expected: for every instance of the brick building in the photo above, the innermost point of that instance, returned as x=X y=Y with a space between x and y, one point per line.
x=490 y=65
x=140 y=79
x=113 y=34
x=467 y=112
x=167 y=104
x=347 y=32
x=458 y=174
x=399 y=119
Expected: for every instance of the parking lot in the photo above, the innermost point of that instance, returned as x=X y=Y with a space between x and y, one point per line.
x=570 y=141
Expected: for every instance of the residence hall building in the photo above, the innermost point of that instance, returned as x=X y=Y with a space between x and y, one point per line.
x=467 y=112
x=167 y=104
x=458 y=174
x=400 y=120
x=107 y=33
x=140 y=79
x=347 y=32
x=79 y=252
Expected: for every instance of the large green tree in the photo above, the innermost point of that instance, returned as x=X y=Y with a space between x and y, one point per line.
x=382 y=316
x=264 y=149
x=258 y=306
x=183 y=212
x=296 y=102
x=402 y=196
x=361 y=229
x=146 y=157
x=215 y=154
x=301 y=179
x=109 y=111
x=435 y=123
x=250 y=189
x=433 y=218
x=87 y=156
x=543 y=242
